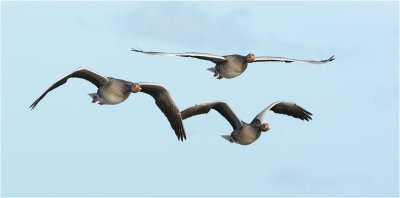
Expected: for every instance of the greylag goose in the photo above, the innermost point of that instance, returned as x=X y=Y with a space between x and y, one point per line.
x=231 y=66
x=114 y=91
x=244 y=133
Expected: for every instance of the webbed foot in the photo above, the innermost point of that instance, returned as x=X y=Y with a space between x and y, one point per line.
x=95 y=100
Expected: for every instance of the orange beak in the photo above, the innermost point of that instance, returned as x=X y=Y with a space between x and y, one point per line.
x=252 y=58
x=137 y=88
x=266 y=127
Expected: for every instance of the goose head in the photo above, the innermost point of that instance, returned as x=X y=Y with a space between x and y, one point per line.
x=250 y=58
x=264 y=127
x=135 y=88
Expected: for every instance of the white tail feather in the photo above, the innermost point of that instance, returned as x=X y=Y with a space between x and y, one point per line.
x=93 y=95
x=228 y=137
x=212 y=69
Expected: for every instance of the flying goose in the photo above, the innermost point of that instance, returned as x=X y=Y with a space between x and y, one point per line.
x=231 y=66
x=244 y=133
x=114 y=91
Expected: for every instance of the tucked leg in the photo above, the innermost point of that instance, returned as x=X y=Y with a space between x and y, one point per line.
x=95 y=99
x=219 y=77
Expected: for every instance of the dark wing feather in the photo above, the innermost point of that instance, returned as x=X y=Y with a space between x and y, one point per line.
x=81 y=72
x=287 y=108
x=203 y=56
x=167 y=105
x=221 y=106
x=289 y=60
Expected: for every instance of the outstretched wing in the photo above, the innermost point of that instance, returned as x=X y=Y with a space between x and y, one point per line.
x=81 y=72
x=287 y=108
x=289 y=60
x=167 y=105
x=203 y=56
x=221 y=106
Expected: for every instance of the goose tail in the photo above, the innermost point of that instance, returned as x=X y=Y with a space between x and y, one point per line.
x=228 y=137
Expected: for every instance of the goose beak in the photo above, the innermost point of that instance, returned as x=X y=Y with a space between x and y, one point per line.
x=137 y=88
x=266 y=127
x=252 y=58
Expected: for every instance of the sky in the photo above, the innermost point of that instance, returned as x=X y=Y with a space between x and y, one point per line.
x=68 y=146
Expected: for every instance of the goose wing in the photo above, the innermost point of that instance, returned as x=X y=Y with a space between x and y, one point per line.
x=289 y=60
x=81 y=72
x=287 y=108
x=203 y=56
x=221 y=106
x=167 y=105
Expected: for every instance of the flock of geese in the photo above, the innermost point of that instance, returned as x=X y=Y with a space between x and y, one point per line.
x=114 y=91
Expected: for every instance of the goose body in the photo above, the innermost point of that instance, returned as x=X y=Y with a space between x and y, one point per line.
x=246 y=134
x=233 y=66
x=114 y=92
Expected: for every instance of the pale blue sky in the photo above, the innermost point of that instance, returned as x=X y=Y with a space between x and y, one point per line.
x=70 y=147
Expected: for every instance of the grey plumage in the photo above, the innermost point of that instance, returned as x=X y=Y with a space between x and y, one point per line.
x=244 y=133
x=203 y=56
x=221 y=106
x=287 y=108
x=289 y=60
x=167 y=105
x=114 y=91
x=230 y=66
x=91 y=76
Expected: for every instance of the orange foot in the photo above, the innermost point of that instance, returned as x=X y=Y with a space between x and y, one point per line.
x=100 y=103
x=95 y=100
x=215 y=74
x=219 y=77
